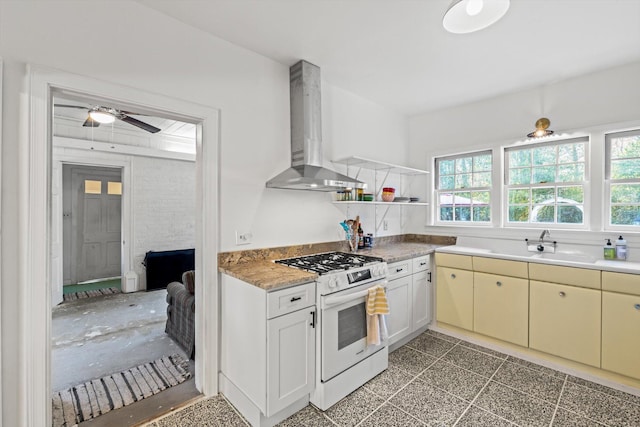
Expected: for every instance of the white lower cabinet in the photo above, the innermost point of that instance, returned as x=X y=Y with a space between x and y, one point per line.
x=267 y=349
x=409 y=296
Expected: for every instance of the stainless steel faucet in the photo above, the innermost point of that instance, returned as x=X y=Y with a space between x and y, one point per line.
x=544 y=233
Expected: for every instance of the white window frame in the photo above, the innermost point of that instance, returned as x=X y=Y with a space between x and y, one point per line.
x=490 y=190
x=585 y=186
x=608 y=181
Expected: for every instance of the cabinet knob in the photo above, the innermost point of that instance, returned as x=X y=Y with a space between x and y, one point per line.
x=499 y=283
x=562 y=294
x=453 y=276
x=423 y=263
x=637 y=306
x=398 y=270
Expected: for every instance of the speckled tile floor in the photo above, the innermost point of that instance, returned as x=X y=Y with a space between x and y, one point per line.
x=437 y=380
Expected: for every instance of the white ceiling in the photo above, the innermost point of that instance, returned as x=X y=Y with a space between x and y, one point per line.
x=396 y=53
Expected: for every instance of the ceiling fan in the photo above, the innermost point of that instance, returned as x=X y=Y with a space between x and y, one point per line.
x=99 y=114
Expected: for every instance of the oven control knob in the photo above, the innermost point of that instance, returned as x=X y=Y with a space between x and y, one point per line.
x=333 y=282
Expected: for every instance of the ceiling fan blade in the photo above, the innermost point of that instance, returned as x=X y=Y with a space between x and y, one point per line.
x=90 y=123
x=138 y=123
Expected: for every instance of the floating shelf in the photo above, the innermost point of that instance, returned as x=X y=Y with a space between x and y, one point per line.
x=361 y=162
x=356 y=202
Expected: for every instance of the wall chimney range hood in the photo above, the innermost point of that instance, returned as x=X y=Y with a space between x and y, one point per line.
x=306 y=171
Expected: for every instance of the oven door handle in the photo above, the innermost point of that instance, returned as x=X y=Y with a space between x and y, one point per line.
x=337 y=300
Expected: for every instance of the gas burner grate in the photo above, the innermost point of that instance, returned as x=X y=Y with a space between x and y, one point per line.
x=329 y=262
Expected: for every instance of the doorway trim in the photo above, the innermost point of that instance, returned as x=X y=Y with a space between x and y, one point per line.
x=65 y=157
x=35 y=207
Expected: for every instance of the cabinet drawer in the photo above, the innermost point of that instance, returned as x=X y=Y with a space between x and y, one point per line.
x=501 y=266
x=621 y=282
x=290 y=299
x=421 y=264
x=453 y=260
x=400 y=269
x=581 y=277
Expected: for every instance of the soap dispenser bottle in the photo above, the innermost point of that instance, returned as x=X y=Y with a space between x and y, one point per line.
x=621 y=248
x=609 y=250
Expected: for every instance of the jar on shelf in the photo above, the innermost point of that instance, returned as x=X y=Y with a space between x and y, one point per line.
x=388 y=194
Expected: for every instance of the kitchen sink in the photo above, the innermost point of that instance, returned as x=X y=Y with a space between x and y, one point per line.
x=564 y=256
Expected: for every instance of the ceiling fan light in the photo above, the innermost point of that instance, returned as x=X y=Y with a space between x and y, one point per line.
x=467 y=16
x=101 y=117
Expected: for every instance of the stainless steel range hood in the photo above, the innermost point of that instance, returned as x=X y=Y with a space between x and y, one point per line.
x=306 y=171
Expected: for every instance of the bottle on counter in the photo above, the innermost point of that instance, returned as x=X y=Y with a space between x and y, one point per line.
x=609 y=250
x=621 y=248
x=360 y=237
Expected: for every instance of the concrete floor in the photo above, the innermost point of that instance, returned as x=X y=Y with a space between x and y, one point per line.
x=97 y=336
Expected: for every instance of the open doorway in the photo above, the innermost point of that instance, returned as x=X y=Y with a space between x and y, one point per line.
x=92 y=216
x=119 y=191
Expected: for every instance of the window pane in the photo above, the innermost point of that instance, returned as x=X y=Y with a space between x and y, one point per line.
x=571 y=194
x=519 y=158
x=114 y=188
x=625 y=193
x=519 y=176
x=570 y=214
x=482 y=179
x=518 y=213
x=571 y=173
x=625 y=169
x=463 y=180
x=544 y=174
x=625 y=147
x=481 y=213
x=518 y=196
x=480 y=197
x=544 y=213
x=445 y=167
x=570 y=153
x=463 y=164
x=543 y=195
x=446 y=214
x=482 y=163
x=92 y=187
x=463 y=213
x=544 y=155
x=447 y=182
x=625 y=215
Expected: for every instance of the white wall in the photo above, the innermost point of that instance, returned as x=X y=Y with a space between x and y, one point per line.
x=592 y=104
x=155 y=53
x=164 y=206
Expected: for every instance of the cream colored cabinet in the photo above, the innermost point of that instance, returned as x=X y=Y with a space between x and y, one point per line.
x=621 y=323
x=565 y=321
x=454 y=296
x=501 y=307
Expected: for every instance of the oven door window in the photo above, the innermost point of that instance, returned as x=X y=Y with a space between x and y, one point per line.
x=352 y=325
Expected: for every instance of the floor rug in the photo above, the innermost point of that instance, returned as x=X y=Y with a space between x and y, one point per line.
x=90 y=294
x=96 y=397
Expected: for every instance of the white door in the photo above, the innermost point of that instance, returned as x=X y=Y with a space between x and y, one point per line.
x=92 y=223
x=399 y=297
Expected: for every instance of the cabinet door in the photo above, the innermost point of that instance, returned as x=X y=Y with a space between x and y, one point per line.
x=565 y=321
x=290 y=358
x=399 y=298
x=454 y=297
x=620 y=332
x=501 y=307
x=421 y=299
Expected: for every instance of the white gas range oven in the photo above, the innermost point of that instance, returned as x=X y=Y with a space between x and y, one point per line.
x=344 y=362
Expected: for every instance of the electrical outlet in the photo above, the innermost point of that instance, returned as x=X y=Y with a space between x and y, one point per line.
x=243 y=238
x=385 y=224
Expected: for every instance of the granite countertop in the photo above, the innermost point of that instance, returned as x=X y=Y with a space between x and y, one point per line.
x=258 y=268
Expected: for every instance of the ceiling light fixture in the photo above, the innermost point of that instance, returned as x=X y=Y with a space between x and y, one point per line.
x=542 y=128
x=467 y=16
x=102 y=115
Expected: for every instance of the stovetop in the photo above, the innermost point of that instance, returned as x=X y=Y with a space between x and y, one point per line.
x=329 y=262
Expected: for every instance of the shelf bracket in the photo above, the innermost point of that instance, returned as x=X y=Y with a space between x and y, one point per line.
x=379 y=189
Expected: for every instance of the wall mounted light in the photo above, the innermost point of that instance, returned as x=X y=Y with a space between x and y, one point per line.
x=542 y=128
x=467 y=16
